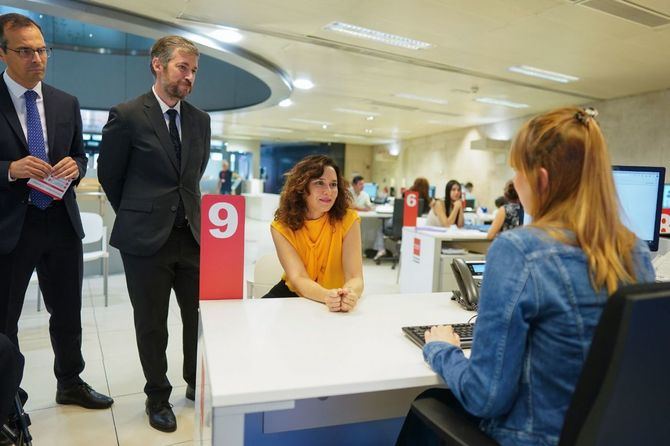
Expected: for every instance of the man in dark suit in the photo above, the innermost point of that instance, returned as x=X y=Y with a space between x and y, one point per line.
x=153 y=153
x=40 y=135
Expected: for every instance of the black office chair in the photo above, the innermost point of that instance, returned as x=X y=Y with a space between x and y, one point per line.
x=394 y=233
x=623 y=394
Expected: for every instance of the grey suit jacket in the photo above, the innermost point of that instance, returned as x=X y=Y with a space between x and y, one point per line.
x=64 y=134
x=139 y=172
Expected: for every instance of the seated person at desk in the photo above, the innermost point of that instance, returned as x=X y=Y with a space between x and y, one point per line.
x=421 y=186
x=443 y=214
x=544 y=289
x=361 y=199
x=318 y=237
x=509 y=215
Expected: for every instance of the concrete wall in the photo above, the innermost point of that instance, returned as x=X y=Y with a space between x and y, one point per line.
x=357 y=161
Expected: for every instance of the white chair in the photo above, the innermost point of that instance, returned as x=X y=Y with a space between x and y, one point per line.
x=267 y=272
x=96 y=232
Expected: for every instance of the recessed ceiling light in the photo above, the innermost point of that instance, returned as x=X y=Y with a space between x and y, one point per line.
x=368 y=131
x=502 y=102
x=303 y=84
x=227 y=35
x=377 y=36
x=422 y=98
x=356 y=112
x=324 y=126
x=544 y=74
x=285 y=102
x=370 y=118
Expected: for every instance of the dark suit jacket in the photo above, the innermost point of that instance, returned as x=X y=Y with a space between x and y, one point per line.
x=138 y=170
x=63 y=120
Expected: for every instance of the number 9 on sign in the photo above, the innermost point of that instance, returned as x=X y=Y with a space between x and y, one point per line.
x=411 y=200
x=225 y=227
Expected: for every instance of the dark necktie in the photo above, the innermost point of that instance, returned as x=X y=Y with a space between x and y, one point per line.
x=174 y=133
x=180 y=218
x=36 y=145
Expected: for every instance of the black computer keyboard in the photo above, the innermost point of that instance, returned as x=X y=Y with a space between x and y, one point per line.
x=464 y=331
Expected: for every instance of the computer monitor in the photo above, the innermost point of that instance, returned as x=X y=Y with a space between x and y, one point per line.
x=431 y=191
x=470 y=203
x=371 y=189
x=640 y=191
x=666 y=196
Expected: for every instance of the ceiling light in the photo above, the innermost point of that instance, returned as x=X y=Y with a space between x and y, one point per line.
x=324 y=126
x=348 y=135
x=421 y=98
x=370 y=118
x=368 y=131
x=285 y=102
x=377 y=36
x=544 y=74
x=303 y=84
x=357 y=112
x=502 y=102
x=275 y=130
x=227 y=35
x=310 y=121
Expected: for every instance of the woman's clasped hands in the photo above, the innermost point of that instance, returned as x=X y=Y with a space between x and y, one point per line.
x=341 y=299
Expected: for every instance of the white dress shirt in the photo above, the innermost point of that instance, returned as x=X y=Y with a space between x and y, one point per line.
x=165 y=108
x=16 y=92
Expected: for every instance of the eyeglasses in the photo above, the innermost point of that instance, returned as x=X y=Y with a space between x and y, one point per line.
x=28 y=53
x=323 y=185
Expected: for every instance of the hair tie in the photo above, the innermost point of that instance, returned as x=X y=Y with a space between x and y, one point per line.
x=585 y=115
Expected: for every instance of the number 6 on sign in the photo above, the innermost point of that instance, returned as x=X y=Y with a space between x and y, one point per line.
x=222 y=247
x=411 y=208
x=229 y=222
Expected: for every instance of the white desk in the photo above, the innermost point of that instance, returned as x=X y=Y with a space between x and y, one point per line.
x=420 y=255
x=371 y=224
x=285 y=355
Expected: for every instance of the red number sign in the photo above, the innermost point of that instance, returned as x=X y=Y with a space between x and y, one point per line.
x=222 y=247
x=411 y=209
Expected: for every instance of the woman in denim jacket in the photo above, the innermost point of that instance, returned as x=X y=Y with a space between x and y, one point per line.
x=544 y=288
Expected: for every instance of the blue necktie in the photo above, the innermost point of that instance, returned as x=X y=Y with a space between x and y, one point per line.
x=35 y=144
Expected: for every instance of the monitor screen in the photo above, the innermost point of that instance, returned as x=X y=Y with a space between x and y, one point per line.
x=666 y=196
x=431 y=191
x=640 y=191
x=370 y=189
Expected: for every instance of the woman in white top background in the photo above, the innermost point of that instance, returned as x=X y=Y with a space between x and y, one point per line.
x=449 y=211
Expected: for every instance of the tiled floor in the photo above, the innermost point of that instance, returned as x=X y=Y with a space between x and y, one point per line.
x=113 y=367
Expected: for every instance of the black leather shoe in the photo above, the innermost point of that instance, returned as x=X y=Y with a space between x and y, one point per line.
x=161 y=416
x=190 y=393
x=83 y=395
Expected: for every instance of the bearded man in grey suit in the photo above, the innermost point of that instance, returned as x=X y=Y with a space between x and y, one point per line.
x=153 y=153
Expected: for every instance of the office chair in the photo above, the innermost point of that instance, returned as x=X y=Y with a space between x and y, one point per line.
x=622 y=395
x=394 y=233
x=16 y=430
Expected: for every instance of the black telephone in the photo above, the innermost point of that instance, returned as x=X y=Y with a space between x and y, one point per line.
x=469 y=275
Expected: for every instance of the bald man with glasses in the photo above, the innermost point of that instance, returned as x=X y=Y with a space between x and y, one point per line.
x=41 y=136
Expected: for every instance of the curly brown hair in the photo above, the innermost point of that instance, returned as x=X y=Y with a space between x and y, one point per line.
x=292 y=209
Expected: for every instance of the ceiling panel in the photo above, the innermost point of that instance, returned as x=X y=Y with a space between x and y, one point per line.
x=474 y=44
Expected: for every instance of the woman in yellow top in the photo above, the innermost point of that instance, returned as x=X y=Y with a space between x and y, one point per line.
x=318 y=237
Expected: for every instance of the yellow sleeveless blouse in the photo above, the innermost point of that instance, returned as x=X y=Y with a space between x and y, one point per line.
x=319 y=245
